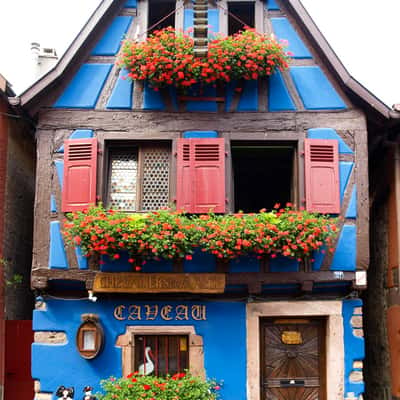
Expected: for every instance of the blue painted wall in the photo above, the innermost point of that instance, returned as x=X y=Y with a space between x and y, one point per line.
x=61 y=364
x=354 y=346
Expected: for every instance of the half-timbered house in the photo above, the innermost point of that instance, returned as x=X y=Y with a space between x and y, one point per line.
x=275 y=328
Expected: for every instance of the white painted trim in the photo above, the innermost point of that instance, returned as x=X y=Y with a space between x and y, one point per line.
x=332 y=310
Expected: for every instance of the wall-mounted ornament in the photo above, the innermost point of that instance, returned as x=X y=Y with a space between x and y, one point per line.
x=87 y=390
x=90 y=336
x=64 y=393
x=291 y=337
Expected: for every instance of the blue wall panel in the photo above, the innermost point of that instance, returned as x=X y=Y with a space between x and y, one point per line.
x=279 y=98
x=213 y=22
x=272 y=5
x=82 y=261
x=207 y=106
x=131 y=4
x=199 y=134
x=57 y=255
x=318 y=257
x=60 y=171
x=188 y=17
x=53 y=204
x=345 y=168
x=354 y=347
x=84 y=89
x=249 y=97
x=110 y=43
x=346 y=250
x=121 y=96
x=283 y=264
x=329 y=133
x=315 y=90
x=219 y=340
x=285 y=31
x=152 y=99
x=244 y=264
x=78 y=134
x=200 y=262
x=352 y=209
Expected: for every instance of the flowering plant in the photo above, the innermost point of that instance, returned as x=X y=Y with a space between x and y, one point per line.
x=167 y=58
x=179 y=386
x=172 y=234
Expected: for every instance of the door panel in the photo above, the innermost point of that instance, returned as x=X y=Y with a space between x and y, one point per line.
x=292 y=362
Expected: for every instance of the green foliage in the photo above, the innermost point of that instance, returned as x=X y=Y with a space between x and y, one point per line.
x=177 y=387
x=172 y=235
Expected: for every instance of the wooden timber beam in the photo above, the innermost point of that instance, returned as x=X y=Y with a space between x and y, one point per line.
x=252 y=280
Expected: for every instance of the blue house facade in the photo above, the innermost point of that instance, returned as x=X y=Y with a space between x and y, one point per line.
x=278 y=328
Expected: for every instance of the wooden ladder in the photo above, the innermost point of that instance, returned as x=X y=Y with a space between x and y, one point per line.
x=200 y=28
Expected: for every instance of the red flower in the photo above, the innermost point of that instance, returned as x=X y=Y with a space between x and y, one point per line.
x=146 y=387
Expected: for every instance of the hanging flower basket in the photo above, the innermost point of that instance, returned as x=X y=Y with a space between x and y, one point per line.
x=167 y=58
x=172 y=235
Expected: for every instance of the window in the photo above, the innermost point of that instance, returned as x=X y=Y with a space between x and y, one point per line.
x=161 y=14
x=161 y=355
x=263 y=175
x=241 y=13
x=138 y=176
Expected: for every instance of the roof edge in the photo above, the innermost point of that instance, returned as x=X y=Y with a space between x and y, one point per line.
x=36 y=88
x=352 y=84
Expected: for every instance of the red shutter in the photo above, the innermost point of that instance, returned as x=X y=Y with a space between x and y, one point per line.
x=79 y=184
x=201 y=175
x=322 y=176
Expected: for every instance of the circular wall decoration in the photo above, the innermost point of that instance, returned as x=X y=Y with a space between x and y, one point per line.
x=90 y=336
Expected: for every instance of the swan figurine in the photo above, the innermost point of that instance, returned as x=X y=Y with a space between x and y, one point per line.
x=148 y=367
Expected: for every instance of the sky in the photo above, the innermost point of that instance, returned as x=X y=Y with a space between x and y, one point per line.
x=363 y=33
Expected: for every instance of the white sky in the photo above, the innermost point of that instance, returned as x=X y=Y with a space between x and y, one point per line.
x=363 y=33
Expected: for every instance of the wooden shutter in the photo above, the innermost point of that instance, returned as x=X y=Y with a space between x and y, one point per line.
x=80 y=165
x=201 y=175
x=322 y=176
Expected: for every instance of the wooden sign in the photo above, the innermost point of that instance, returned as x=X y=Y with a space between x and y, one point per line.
x=131 y=282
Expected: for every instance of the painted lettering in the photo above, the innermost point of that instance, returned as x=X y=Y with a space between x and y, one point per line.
x=118 y=313
x=151 y=312
x=134 y=312
x=199 y=313
x=165 y=313
x=181 y=313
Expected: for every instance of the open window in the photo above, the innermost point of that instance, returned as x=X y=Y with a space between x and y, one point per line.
x=263 y=174
x=240 y=14
x=138 y=176
x=161 y=14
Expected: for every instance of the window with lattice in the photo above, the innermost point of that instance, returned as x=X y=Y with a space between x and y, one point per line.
x=161 y=355
x=138 y=176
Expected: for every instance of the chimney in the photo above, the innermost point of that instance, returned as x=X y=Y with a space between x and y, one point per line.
x=44 y=59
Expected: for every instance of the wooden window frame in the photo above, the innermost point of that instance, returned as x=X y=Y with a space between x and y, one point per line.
x=127 y=343
x=140 y=145
x=259 y=10
x=158 y=354
x=297 y=185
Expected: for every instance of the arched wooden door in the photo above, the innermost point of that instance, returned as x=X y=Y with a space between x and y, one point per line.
x=293 y=359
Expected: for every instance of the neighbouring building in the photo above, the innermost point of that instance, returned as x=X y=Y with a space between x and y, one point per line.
x=382 y=298
x=17 y=187
x=300 y=136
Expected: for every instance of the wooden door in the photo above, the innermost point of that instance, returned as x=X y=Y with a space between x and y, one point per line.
x=293 y=359
x=18 y=380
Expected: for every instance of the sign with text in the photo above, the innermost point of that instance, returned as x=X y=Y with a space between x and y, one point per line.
x=131 y=282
